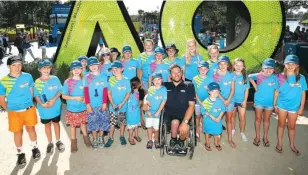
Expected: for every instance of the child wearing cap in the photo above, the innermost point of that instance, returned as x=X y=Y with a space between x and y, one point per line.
x=159 y=66
x=242 y=86
x=213 y=110
x=47 y=92
x=192 y=59
x=289 y=100
x=213 y=53
x=172 y=58
x=118 y=94
x=156 y=99
x=129 y=64
x=75 y=114
x=144 y=60
x=226 y=82
x=96 y=98
x=265 y=86
x=105 y=64
x=17 y=88
x=201 y=83
x=115 y=54
x=83 y=60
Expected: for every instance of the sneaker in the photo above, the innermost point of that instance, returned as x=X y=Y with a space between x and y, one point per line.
x=109 y=143
x=101 y=142
x=123 y=140
x=95 y=144
x=60 y=146
x=181 y=143
x=233 y=132
x=244 y=138
x=172 y=143
x=21 y=160
x=49 y=149
x=36 y=154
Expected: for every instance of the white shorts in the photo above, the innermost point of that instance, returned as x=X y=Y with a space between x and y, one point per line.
x=197 y=109
x=152 y=122
x=129 y=127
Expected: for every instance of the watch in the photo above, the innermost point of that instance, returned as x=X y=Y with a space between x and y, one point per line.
x=186 y=121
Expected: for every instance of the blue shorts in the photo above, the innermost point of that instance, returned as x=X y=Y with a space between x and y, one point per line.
x=238 y=105
x=293 y=112
x=263 y=107
x=230 y=107
x=197 y=109
x=98 y=120
x=145 y=85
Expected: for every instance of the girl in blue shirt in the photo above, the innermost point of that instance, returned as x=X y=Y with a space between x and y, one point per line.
x=289 y=100
x=265 y=87
x=192 y=59
x=130 y=65
x=105 y=64
x=83 y=60
x=240 y=95
x=226 y=82
x=76 y=114
x=213 y=53
x=47 y=92
x=172 y=58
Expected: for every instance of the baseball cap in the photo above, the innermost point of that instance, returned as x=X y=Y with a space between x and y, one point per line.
x=44 y=63
x=92 y=61
x=82 y=58
x=113 y=49
x=75 y=64
x=159 y=50
x=203 y=64
x=213 y=86
x=13 y=59
x=268 y=63
x=291 y=59
x=224 y=58
x=126 y=49
x=172 y=46
x=116 y=64
x=156 y=75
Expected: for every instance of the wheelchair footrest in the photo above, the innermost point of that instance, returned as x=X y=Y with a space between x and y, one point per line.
x=177 y=152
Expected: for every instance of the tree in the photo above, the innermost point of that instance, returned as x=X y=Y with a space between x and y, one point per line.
x=294 y=5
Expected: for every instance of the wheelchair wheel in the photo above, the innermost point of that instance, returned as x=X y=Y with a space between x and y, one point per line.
x=192 y=139
x=162 y=136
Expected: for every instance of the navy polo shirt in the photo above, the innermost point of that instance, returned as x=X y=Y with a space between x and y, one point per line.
x=178 y=98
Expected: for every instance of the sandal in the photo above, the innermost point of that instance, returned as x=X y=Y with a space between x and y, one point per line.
x=296 y=152
x=218 y=147
x=137 y=138
x=256 y=143
x=279 y=150
x=156 y=144
x=208 y=148
x=131 y=141
x=150 y=144
x=265 y=144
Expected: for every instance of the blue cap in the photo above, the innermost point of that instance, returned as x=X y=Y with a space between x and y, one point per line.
x=203 y=64
x=75 y=64
x=269 y=63
x=159 y=50
x=92 y=61
x=156 y=75
x=291 y=59
x=224 y=58
x=127 y=49
x=213 y=86
x=82 y=58
x=44 y=63
x=116 y=64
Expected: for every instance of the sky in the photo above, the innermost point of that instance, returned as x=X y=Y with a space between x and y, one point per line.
x=146 y=5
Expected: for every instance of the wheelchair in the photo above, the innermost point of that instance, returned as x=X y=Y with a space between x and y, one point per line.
x=165 y=136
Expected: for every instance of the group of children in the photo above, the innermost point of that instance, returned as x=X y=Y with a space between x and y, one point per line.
x=102 y=93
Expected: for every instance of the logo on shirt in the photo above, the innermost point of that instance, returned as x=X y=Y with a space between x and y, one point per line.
x=81 y=87
x=99 y=83
x=217 y=109
x=132 y=68
x=196 y=62
x=241 y=82
x=271 y=83
x=295 y=84
x=158 y=97
x=53 y=87
x=183 y=91
x=24 y=85
x=121 y=88
x=205 y=87
x=227 y=83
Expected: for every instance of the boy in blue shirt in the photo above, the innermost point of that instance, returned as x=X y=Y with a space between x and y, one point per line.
x=172 y=58
x=17 y=88
x=129 y=64
x=47 y=92
x=83 y=60
x=118 y=95
x=213 y=53
x=156 y=99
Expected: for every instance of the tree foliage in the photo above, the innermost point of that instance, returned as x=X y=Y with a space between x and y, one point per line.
x=294 y=5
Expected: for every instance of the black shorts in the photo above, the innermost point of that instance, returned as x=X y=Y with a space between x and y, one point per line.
x=238 y=105
x=169 y=117
x=54 y=120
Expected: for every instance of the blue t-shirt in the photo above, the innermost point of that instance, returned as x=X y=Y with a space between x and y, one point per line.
x=191 y=69
x=240 y=88
x=74 y=88
x=213 y=67
x=290 y=92
x=133 y=111
x=105 y=69
x=49 y=89
x=17 y=91
x=161 y=68
x=144 y=61
x=225 y=83
x=96 y=85
x=201 y=84
x=266 y=88
x=156 y=97
x=180 y=62
x=85 y=73
x=130 y=68
x=118 y=90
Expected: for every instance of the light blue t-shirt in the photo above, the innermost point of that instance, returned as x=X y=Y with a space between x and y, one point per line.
x=118 y=90
x=191 y=70
x=105 y=69
x=156 y=97
x=213 y=67
x=240 y=88
x=96 y=85
x=180 y=62
x=49 y=89
x=161 y=68
x=144 y=61
x=266 y=88
x=74 y=88
x=17 y=91
x=201 y=84
x=85 y=73
x=290 y=92
x=133 y=111
x=130 y=68
x=225 y=83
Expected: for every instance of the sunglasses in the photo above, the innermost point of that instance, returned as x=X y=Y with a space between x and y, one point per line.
x=105 y=54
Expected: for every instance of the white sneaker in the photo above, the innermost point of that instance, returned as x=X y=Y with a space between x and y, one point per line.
x=233 y=132
x=244 y=138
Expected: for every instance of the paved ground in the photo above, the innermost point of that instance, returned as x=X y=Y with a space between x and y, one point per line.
x=245 y=159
